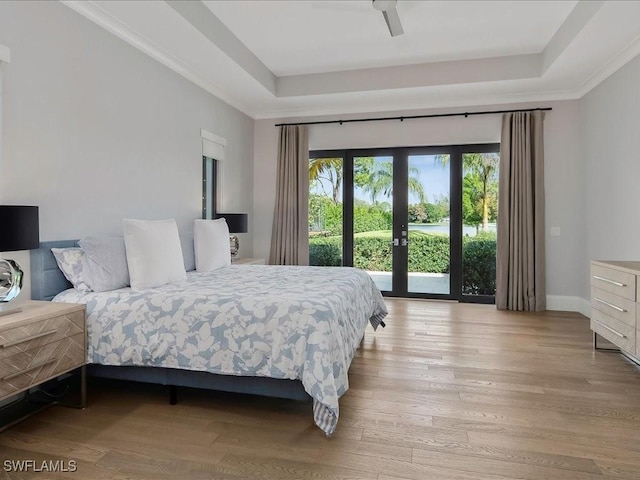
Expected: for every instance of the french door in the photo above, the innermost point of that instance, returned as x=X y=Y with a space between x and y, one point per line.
x=400 y=214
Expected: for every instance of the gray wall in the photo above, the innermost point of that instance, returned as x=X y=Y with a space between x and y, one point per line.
x=610 y=142
x=95 y=130
x=563 y=178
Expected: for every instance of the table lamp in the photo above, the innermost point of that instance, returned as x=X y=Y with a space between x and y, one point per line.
x=238 y=223
x=19 y=231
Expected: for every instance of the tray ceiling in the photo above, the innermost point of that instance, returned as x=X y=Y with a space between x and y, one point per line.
x=284 y=58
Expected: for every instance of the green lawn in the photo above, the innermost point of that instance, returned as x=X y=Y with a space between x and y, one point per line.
x=375 y=233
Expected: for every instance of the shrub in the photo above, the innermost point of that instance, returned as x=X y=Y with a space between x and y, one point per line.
x=325 y=251
x=373 y=252
x=479 y=264
x=367 y=218
x=325 y=216
x=428 y=253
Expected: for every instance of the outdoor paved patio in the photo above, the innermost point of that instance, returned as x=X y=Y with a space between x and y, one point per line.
x=418 y=282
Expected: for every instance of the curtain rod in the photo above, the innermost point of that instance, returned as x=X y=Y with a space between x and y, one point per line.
x=411 y=117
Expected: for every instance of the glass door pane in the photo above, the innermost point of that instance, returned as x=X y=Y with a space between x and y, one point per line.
x=479 y=216
x=325 y=211
x=373 y=218
x=429 y=224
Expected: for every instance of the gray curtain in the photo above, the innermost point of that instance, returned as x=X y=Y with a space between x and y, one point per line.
x=290 y=232
x=520 y=282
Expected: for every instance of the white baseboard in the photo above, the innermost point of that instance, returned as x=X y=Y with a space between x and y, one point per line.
x=585 y=307
x=569 y=304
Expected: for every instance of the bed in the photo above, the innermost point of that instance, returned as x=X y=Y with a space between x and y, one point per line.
x=287 y=332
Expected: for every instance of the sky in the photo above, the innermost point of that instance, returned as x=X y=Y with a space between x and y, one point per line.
x=433 y=176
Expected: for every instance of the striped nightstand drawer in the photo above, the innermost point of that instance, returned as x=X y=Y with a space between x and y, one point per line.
x=39 y=343
x=40 y=364
x=14 y=340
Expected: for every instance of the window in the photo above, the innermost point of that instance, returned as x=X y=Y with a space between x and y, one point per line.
x=209 y=177
x=325 y=210
x=479 y=216
x=420 y=220
x=213 y=156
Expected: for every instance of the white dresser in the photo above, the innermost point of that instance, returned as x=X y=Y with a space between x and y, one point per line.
x=615 y=304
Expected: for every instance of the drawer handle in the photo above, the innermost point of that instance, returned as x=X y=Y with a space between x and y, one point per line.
x=33 y=367
x=615 y=307
x=611 y=329
x=22 y=340
x=612 y=282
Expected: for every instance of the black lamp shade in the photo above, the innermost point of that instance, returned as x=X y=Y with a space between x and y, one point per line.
x=19 y=229
x=238 y=222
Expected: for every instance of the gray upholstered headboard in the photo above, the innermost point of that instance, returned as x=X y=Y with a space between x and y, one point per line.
x=47 y=279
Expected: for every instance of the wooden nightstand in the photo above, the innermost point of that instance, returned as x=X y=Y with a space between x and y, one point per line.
x=247 y=261
x=41 y=343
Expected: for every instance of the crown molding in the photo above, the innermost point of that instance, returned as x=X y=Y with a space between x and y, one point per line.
x=624 y=56
x=96 y=14
x=416 y=105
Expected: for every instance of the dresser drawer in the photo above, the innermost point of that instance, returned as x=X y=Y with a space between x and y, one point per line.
x=614 y=306
x=41 y=332
x=617 y=332
x=618 y=282
x=21 y=371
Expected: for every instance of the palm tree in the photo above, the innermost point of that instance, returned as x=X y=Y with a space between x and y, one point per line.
x=329 y=169
x=415 y=185
x=377 y=177
x=485 y=166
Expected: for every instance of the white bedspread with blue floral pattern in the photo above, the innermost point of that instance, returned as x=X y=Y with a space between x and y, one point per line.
x=300 y=323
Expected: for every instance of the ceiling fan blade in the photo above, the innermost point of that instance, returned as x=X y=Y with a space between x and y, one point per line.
x=393 y=22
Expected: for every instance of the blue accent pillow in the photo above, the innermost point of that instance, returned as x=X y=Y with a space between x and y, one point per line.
x=107 y=263
x=73 y=263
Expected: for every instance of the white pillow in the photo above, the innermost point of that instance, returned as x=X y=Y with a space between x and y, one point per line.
x=211 y=244
x=186 y=239
x=154 y=255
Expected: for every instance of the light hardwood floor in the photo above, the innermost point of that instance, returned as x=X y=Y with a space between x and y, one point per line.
x=447 y=391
